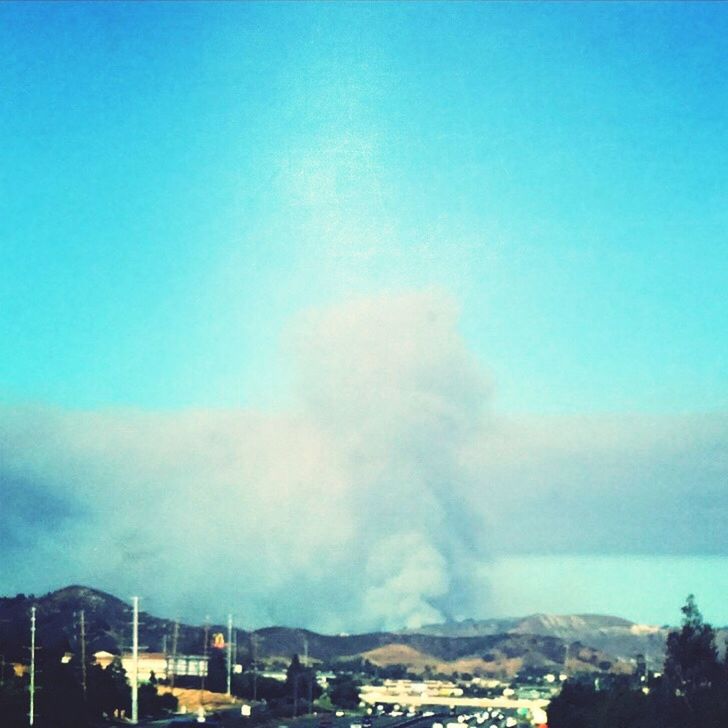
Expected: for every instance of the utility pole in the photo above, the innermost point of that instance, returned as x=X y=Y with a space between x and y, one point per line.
x=254 y=646
x=206 y=665
x=83 y=652
x=175 y=639
x=310 y=674
x=165 y=652
x=295 y=693
x=229 y=655
x=235 y=646
x=31 y=713
x=135 y=663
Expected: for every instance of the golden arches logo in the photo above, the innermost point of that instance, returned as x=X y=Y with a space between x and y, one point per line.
x=218 y=640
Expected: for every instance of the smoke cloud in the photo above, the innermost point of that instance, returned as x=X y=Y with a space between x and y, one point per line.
x=376 y=501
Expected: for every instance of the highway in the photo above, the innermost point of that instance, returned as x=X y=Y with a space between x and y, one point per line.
x=231 y=718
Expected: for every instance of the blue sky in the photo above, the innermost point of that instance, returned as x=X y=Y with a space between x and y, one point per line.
x=560 y=168
x=182 y=182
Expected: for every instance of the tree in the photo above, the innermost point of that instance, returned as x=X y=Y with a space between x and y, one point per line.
x=217 y=671
x=344 y=692
x=108 y=690
x=693 y=692
x=14 y=699
x=691 y=662
x=59 y=696
x=267 y=688
x=575 y=707
x=152 y=704
x=692 y=668
x=301 y=684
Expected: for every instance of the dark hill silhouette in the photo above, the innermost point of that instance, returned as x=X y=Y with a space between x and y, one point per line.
x=490 y=645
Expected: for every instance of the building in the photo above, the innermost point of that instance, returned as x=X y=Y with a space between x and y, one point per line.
x=163 y=666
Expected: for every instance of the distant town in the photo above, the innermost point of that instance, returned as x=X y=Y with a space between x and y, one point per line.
x=83 y=658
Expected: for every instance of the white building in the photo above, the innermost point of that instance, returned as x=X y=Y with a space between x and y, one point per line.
x=163 y=666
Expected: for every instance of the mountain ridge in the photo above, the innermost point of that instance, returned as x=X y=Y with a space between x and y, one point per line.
x=540 y=641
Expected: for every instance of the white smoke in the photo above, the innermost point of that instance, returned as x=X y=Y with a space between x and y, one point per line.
x=374 y=502
x=335 y=513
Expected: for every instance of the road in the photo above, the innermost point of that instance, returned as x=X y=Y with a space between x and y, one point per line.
x=231 y=719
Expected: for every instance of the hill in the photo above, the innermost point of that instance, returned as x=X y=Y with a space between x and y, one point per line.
x=489 y=647
x=613 y=635
x=501 y=655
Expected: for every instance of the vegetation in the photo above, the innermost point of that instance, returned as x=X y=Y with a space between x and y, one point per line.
x=61 y=701
x=295 y=696
x=256 y=687
x=692 y=692
x=344 y=692
x=216 y=671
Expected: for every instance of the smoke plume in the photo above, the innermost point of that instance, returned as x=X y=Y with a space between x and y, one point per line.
x=375 y=501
